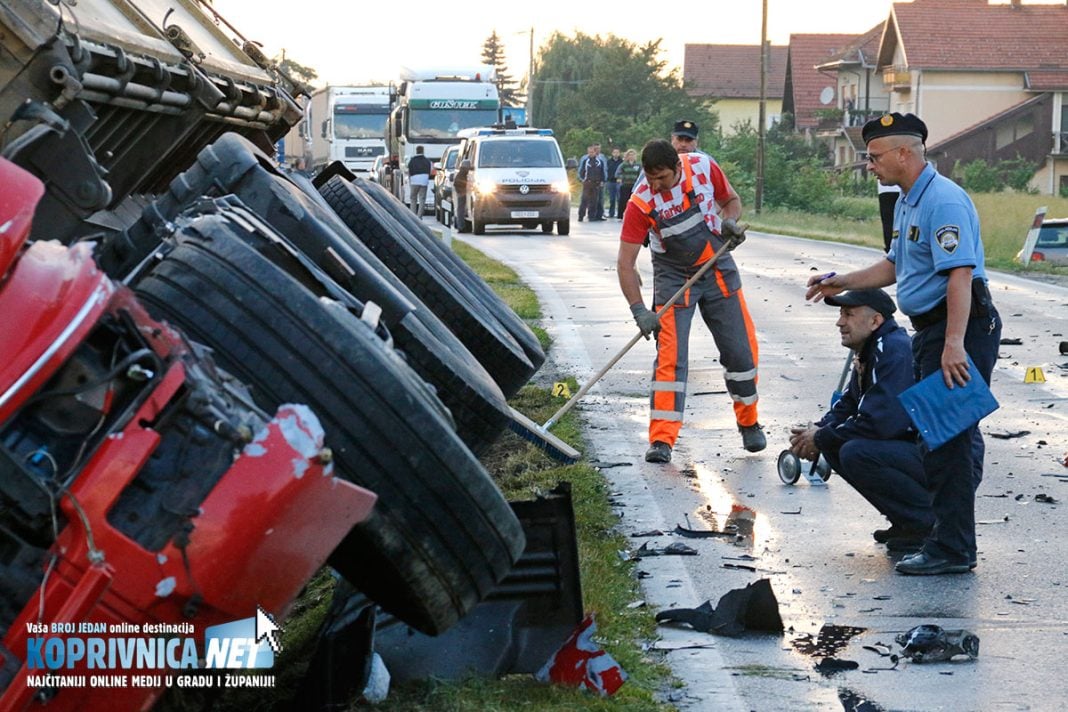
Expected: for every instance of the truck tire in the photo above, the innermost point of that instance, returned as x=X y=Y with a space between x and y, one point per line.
x=474 y=323
x=441 y=535
x=234 y=165
x=563 y=227
x=515 y=325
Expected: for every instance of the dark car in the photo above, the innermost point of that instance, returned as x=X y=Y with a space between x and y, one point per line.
x=443 y=178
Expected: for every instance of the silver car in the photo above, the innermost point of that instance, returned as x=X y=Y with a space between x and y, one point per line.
x=1052 y=244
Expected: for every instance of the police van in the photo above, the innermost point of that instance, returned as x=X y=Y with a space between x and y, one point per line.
x=518 y=177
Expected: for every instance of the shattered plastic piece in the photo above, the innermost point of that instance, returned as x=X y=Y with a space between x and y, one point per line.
x=581 y=663
x=881 y=649
x=753 y=608
x=1009 y=436
x=932 y=643
x=651 y=532
x=1045 y=498
x=704 y=533
x=830 y=666
x=676 y=549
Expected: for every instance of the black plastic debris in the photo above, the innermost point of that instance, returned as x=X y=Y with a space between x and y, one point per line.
x=1045 y=498
x=932 y=643
x=831 y=666
x=1011 y=342
x=855 y=702
x=828 y=641
x=676 y=549
x=750 y=609
x=651 y=532
x=1009 y=436
x=730 y=531
x=1064 y=348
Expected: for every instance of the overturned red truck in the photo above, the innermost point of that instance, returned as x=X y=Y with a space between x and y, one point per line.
x=167 y=288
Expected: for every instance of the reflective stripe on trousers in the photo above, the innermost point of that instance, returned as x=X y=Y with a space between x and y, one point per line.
x=727 y=317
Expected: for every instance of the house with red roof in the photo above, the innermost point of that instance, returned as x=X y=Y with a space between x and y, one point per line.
x=989 y=79
x=810 y=95
x=729 y=75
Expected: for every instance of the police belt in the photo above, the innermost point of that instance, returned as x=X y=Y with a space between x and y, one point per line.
x=981 y=303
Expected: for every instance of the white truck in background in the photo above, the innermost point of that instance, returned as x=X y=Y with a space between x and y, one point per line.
x=345 y=123
x=430 y=109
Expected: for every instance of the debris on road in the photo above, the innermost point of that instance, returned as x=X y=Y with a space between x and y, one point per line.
x=932 y=643
x=740 y=610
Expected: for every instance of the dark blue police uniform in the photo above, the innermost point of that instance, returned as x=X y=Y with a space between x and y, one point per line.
x=868 y=438
x=936 y=229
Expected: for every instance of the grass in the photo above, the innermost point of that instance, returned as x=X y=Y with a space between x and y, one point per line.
x=522 y=472
x=1004 y=219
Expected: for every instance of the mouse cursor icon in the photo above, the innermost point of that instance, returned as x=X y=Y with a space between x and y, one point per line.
x=267 y=628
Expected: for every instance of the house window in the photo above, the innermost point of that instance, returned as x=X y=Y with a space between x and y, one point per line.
x=1013 y=131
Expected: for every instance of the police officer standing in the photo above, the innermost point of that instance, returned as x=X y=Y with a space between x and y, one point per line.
x=936 y=258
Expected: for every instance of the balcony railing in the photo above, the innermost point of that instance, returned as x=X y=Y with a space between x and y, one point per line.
x=897 y=77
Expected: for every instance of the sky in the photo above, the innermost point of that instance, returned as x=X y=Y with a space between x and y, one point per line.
x=353 y=42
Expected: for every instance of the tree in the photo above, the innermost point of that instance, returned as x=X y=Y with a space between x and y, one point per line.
x=620 y=90
x=507 y=87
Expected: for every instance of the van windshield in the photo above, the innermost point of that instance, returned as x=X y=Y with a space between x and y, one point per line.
x=519 y=154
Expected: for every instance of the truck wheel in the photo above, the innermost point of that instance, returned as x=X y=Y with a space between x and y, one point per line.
x=419 y=232
x=563 y=227
x=478 y=227
x=233 y=165
x=441 y=535
x=447 y=295
x=547 y=227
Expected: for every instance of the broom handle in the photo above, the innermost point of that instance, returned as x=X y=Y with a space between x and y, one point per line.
x=634 y=339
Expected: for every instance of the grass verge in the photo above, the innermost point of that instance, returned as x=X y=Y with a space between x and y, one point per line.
x=522 y=472
x=1003 y=217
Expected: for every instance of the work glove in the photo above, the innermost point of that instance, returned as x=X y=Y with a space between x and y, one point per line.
x=646 y=319
x=732 y=232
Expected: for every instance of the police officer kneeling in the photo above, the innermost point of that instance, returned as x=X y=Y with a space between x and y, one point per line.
x=867 y=436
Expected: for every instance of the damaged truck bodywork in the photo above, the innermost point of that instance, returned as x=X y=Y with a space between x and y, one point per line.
x=134 y=477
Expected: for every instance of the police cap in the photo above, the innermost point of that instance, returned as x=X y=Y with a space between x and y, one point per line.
x=894 y=124
x=877 y=299
x=685 y=128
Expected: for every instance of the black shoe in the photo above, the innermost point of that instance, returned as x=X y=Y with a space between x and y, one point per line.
x=658 y=452
x=904 y=544
x=753 y=438
x=923 y=564
x=898 y=532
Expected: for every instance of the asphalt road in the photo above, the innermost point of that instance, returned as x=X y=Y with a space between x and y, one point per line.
x=814 y=543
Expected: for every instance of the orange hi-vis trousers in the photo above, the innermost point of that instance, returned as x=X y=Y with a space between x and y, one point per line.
x=725 y=313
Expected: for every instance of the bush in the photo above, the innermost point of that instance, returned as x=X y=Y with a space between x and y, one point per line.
x=978 y=176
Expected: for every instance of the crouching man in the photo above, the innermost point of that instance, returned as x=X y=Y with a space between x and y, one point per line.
x=867 y=436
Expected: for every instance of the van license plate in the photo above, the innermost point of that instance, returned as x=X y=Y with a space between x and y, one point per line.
x=524 y=213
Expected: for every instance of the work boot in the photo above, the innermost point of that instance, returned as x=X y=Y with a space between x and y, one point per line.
x=884 y=536
x=753 y=438
x=658 y=452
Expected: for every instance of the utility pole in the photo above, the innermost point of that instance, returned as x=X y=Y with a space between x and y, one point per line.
x=758 y=202
x=530 y=81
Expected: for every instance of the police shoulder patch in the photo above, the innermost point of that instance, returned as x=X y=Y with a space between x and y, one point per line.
x=948 y=237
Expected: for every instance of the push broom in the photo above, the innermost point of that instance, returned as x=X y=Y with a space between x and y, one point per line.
x=556 y=448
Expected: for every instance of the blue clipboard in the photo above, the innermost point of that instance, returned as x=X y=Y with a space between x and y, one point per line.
x=940 y=413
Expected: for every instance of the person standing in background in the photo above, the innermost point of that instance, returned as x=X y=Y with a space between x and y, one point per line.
x=613 y=184
x=419 y=170
x=627 y=174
